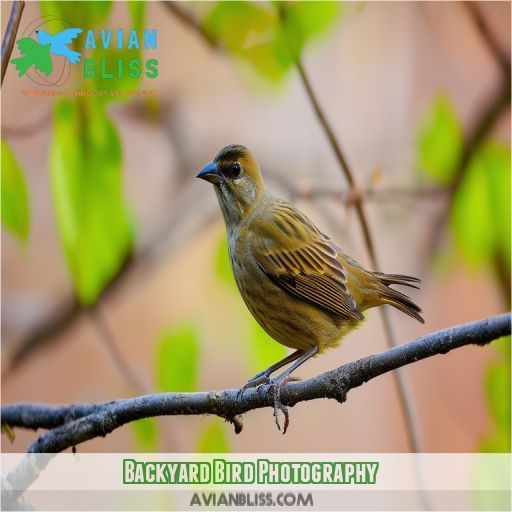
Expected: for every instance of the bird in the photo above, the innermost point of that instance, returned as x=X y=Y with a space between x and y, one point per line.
x=300 y=286
x=33 y=54
x=58 y=42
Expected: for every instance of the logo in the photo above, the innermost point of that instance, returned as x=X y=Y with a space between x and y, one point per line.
x=46 y=56
x=46 y=52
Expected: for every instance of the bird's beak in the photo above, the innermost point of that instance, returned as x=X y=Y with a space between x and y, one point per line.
x=210 y=172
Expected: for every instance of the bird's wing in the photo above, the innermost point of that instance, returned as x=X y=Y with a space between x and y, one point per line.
x=43 y=62
x=28 y=46
x=301 y=260
x=67 y=36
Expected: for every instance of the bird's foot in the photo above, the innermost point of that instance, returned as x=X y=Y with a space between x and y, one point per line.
x=276 y=384
x=254 y=382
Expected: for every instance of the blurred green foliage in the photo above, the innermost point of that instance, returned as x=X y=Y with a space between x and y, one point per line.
x=222 y=267
x=212 y=437
x=497 y=386
x=441 y=140
x=85 y=166
x=269 y=36
x=481 y=209
x=15 y=201
x=146 y=434
x=78 y=14
x=177 y=358
x=480 y=225
x=264 y=350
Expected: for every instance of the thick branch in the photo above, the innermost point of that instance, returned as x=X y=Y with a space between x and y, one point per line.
x=74 y=424
x=10 y=34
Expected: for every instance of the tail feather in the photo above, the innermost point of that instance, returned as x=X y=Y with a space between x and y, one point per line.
x=401 y=279
x=395 y=298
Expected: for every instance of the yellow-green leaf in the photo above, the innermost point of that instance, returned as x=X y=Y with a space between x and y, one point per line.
x=265 y=351
x=481 y=208
x=212 y=438
x=146 y=434
x=177 y=359
x=441 y=140
x=87 y=185
x=15 y=203
x=304 y=20
x=78 y=14
x=222 y=266
x=257 y=33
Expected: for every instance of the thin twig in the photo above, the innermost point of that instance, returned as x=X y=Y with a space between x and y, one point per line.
x=503 y=60
x=10 y=34
x=342 y=160
x=74 y=424
x=107 y=338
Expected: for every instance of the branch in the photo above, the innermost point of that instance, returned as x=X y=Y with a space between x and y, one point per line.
x=10 y=34
x=74 y=424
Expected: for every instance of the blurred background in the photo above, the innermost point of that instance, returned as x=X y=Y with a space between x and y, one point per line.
x=115 y=278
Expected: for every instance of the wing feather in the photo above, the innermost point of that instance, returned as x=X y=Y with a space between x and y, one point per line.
x=301 y=260
x=67 y=35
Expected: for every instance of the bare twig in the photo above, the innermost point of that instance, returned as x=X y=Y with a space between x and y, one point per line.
x=108 y=341
x=503 y=60
x=10 y=34
x=188 y=20
x=74 y=424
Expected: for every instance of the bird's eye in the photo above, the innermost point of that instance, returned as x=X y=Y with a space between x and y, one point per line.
x=236 y=170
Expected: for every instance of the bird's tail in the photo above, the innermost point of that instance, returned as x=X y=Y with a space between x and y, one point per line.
x=397 y=299
x=22 y=64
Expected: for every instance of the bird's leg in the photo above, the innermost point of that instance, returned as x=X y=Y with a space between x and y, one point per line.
x=278 y=382
x=263 y=377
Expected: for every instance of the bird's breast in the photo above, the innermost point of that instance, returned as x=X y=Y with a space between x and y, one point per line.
x=291 y=321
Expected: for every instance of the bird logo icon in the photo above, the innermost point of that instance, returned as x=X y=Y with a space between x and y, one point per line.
x=37 y=53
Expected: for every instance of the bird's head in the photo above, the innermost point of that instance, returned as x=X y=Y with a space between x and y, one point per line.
x=236 y=176
x=43 y=37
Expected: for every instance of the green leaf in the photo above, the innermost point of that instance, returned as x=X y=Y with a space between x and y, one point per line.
x=177 y=359
x=146 y=434
x=87 y=186
x=441 y=140
x=137 y=14
x=15 y=203
x=305 y=20
x=481 y=207
x=495 y=164
x=222 y=265
x=78 y=14
x=265 y=351
x=255 y=33
x=498 y=392
x=212 y=438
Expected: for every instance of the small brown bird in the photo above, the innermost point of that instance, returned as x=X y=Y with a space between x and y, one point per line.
x=304 y=290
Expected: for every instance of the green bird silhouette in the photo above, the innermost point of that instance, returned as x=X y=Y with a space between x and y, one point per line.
x=33 y=54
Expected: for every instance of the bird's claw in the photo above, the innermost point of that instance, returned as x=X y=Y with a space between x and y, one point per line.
x=276 y=385
x=256 y=381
